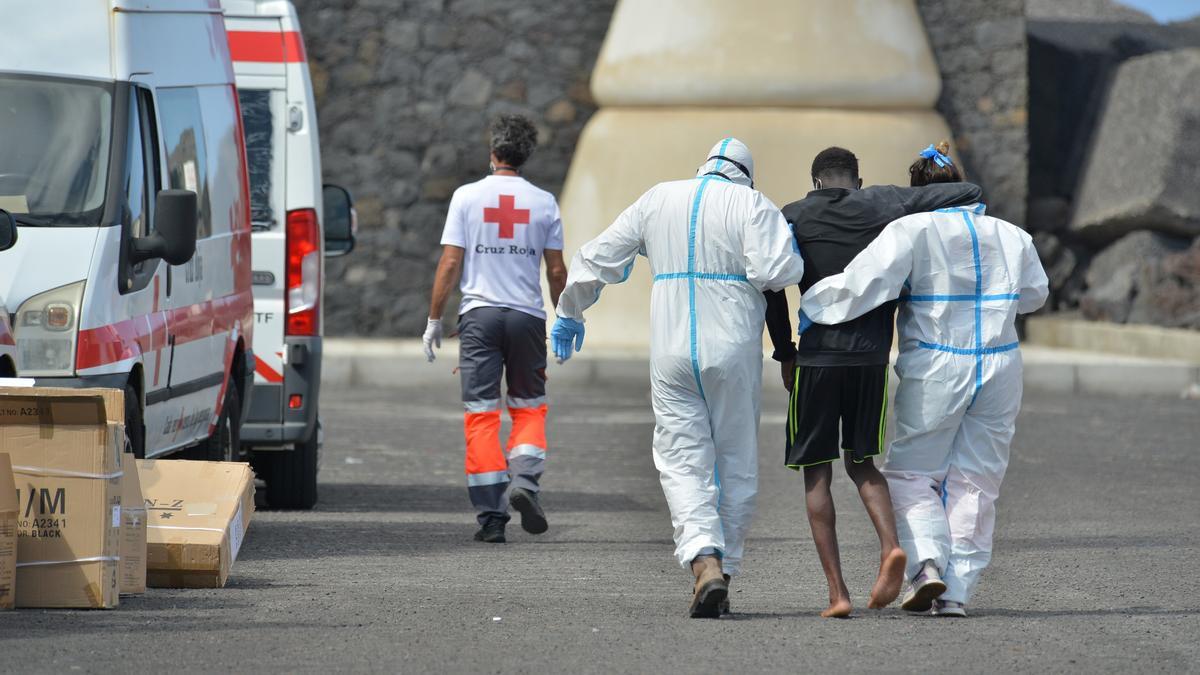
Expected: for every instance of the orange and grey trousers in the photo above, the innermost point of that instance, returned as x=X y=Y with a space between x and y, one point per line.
x=496 y=343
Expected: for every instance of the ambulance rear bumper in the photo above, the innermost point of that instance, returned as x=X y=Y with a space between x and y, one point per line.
x=272 y=422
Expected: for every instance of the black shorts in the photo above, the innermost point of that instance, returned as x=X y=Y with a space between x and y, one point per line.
x=857 y=396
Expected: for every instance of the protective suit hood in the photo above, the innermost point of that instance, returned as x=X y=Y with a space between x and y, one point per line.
x=730 y=159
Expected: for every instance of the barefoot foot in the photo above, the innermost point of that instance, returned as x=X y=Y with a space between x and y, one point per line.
x=891 y=577
x=838 y=609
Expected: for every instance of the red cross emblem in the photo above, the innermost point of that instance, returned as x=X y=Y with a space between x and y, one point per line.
x=506 y=215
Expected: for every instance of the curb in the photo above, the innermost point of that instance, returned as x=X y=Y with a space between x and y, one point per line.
x=1066 y=371
x=383 y=364
x=1140 y=340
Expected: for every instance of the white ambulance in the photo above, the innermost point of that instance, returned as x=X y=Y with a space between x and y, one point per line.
x=123 y=164
x=296 y=223
x=8 y=345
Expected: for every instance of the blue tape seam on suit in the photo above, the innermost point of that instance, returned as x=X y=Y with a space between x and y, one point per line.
x=691 y=270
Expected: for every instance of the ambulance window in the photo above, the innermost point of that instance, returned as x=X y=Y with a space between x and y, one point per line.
x=141 y=181
x=150 y=149
x=183 y=135
x=135 y=177
x=259 y=129
x=55 y=138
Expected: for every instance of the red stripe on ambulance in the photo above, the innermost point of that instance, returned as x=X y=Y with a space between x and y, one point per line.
x=262 y=47
x=267 y=372
x=129 y=338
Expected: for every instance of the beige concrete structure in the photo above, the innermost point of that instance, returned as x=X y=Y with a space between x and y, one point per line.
x=828 y=53
x=787 y=77
x=632 y=149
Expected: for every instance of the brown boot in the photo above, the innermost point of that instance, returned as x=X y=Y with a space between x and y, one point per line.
x=711 y=588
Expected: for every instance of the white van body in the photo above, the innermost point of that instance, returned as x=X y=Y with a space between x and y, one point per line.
x=107 y=103
x=282 y=429
x=8 y=346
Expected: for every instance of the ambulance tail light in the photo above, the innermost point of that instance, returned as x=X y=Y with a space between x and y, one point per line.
x=303 y=294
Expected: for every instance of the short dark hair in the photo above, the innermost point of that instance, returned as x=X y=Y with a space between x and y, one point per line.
x=513 y=139
x=835 y=162
x=925 y=170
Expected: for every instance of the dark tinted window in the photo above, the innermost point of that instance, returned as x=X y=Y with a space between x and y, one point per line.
x=259 y=129
x=183 y=136
x=135 y=176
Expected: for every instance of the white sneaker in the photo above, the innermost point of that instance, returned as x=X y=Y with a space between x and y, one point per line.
x=926 y=587
x=949 y=608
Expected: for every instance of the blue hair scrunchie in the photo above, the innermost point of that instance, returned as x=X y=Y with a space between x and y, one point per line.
x=938 y=158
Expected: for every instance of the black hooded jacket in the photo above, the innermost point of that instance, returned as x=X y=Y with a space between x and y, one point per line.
x=832 y=226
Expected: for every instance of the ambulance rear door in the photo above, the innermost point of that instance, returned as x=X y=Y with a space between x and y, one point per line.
x=255 y=44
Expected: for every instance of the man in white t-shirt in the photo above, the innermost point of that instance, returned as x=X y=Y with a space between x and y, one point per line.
x=498 y=230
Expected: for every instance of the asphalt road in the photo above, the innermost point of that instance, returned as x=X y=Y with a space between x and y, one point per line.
x=1095 y=566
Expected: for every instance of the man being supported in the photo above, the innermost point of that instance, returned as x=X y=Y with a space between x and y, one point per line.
x=840 y=373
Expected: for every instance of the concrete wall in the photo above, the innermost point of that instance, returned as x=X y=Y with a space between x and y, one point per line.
x=405 y=89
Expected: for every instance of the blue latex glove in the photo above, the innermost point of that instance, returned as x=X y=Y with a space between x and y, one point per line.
x=563 y=334
x=805 y=323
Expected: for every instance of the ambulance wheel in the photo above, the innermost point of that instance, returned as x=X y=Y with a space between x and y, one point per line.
x=224 y=443
x=135 y=429
x=292 y=475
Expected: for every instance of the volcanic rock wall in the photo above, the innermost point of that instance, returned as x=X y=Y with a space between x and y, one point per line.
x=980 y=49
x=405 y=89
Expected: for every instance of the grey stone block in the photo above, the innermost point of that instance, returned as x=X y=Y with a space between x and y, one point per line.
x=1073 y=63
x=1169 y=290
x=1143 y=171
x=1118 y=276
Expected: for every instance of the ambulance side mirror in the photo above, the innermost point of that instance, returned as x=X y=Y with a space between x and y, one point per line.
x=341 y=220
x=175 y=220
x=8 y=230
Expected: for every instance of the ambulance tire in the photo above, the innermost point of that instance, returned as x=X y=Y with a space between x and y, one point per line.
x=292 y=475
x=224 y=444
x=135 y=428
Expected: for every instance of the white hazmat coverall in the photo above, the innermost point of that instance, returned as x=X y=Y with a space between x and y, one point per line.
x=962 y=277
x=714 y=244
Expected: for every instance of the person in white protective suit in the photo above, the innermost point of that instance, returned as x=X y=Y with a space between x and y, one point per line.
x=962 y=278
x=714 y=244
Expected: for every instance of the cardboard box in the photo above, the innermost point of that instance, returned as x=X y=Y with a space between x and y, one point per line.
x=8 y=534
x=66 y=459
x=197 y=515
x=133 y=530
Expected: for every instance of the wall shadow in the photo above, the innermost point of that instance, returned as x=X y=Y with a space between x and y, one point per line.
x=286 y=540
x=364 y=497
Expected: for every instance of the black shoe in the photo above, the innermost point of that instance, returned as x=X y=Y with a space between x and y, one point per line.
x=492 y=532
x=533 y=519
x=725 y=603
